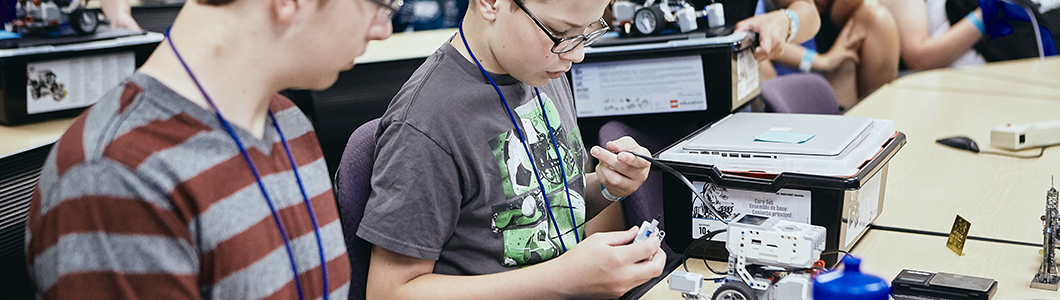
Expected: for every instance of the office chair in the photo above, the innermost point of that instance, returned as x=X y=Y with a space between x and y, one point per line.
x=799 y=93
x=352 y=188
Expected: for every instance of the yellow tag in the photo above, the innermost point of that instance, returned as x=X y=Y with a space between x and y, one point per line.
x=958 y=235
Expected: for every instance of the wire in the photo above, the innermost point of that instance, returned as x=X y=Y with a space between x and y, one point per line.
x=1016 y=156
x=1037 y=31
x=668 y=169
x=838 y=260
x=702 y=241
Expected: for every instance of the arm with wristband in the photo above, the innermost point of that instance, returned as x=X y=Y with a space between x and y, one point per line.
x=919 y=50
x=808 y=60
x=797 y=22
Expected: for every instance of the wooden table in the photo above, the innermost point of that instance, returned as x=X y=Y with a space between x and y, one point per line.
x=16 y=139
x=886 y=253
x=1029 y=78
x=929 y=184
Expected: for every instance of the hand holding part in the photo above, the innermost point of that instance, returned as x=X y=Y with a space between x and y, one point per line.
x=607 y=264
x=772 y=29
x=621 y=173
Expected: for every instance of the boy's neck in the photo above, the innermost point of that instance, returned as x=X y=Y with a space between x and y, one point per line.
x=234 y=71
x=478 y=40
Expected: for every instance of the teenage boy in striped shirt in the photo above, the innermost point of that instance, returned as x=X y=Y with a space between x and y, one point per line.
x=180 y=184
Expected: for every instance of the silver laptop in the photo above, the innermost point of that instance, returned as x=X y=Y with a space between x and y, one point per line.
x=736 y=134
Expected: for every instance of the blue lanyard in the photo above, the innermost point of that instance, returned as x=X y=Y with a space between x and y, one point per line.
x=526 y=148
x=261 y=185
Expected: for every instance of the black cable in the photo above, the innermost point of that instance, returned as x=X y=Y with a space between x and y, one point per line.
x=1016 y=156
x=838 y=259
x=701 y=241
x=668 y=169
x=970 y=237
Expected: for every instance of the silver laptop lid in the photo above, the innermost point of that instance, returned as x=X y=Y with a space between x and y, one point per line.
x=737 y=132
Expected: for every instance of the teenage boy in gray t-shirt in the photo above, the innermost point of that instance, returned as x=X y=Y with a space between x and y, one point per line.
x=479 y=169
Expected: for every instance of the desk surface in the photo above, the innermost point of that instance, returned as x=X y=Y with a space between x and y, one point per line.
x=1028 y=78
x=885 y=254
x=405 y=45
x=16 y=139
x=929 y=184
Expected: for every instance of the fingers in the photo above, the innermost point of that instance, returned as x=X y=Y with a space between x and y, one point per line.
x=627 y=143
x=624 y=163
x=642 y=251
x=617 y=238
x=745 y=25
x=654 y=267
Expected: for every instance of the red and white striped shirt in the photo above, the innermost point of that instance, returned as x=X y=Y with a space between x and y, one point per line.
x=147 y=197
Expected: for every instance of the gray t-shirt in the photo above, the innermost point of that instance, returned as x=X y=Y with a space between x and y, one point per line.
x=452 y=181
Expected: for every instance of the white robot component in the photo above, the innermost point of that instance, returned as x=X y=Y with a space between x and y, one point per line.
x=652 y=16
x=1022 y=136
x=769 y=259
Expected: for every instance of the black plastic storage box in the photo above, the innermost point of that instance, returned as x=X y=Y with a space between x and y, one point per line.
x=51 y=78
x=844 y=204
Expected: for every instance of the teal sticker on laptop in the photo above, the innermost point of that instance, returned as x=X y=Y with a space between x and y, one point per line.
x=783 y=137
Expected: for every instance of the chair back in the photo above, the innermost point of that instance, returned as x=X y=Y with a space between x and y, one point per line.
x=352 y=188
x=799 y=93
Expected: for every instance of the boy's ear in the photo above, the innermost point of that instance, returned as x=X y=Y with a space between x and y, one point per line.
x=284 y=10
x=487 y=8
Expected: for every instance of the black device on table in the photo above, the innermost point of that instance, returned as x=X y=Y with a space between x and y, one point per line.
x=920 y=285
x=960 y=142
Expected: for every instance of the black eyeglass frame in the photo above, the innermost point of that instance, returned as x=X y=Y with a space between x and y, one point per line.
x=584 y=38
x=394 y=6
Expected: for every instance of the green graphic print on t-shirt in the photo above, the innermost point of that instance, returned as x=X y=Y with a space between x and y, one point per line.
x=529 y=230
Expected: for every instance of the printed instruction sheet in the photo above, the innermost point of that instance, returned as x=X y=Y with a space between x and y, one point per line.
x=656 y=85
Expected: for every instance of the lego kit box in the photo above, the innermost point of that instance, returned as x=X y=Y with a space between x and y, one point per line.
x=833 y=179
x=43 y=81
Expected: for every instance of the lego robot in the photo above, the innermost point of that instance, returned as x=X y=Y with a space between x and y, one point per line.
x=48 y=17
x=651 y=17
x=769 y=259
x=1048 y=278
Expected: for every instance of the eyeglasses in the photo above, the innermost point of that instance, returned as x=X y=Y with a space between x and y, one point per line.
x=391 y=7
x=566 y=44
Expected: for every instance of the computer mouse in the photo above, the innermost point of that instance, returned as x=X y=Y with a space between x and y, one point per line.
x=960 y=142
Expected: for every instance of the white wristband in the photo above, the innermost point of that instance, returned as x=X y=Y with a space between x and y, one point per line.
x=793 y=23
x=608 y=195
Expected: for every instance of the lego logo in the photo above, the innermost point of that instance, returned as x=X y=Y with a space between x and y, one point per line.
x=673 y=103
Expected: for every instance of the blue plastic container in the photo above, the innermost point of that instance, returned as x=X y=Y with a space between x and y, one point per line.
x=850 y=284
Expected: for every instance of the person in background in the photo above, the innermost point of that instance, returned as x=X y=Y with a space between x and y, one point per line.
x=119 y=13
x=195 y=179
x=861 y=48
x=927 y=38
x=796 y=21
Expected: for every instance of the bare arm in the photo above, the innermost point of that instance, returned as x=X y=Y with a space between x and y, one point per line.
x=845 y=48
x=119 y=13
x=920 y=51
x=602 y=265
x=772 y=27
